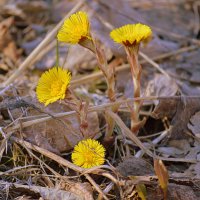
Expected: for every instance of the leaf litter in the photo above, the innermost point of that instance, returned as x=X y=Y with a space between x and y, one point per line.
x=47 y=141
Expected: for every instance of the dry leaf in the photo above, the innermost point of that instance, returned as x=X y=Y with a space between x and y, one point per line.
x=176 y=148
x=162 y=85
x=59 y=135
x=134 y=167
x=7 y=43
x=11 y=51
x=5 y=36
x=162 y=174
x=180 y=110
x=194 y=124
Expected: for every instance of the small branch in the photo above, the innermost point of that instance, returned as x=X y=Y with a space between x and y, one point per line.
x=92 y=109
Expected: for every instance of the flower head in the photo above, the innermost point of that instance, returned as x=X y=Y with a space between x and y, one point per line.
x=88 y=153
x=75 y=29
x=131 y=34
x=52 y=85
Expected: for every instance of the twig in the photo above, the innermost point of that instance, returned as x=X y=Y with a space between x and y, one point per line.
x=149 y=60
x=92 y=109
x=96 y=186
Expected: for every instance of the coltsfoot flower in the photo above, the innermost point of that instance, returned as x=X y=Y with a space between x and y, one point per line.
x=131 y=34
x=75 y=29
x=52 y=85
x=88 y=153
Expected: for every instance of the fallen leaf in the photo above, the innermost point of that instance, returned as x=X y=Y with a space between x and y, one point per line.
x=60 y=135
x=132 y=166
x=180 y=111
x=162 y=174
x=194 y=124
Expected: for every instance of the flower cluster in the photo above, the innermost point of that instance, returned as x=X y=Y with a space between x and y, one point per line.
x=53 y=84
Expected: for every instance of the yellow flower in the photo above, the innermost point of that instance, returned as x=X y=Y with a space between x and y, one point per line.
x=75 y=29
x=52 y=85
x=88 y=153
x=131 y=34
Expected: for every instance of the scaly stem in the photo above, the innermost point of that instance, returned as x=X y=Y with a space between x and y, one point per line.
x=81 y=109
x=132 y=56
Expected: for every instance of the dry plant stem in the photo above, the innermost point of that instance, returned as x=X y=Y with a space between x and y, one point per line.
x=128 y=133
x=96 y=186
x=39 y=48
x=81 y=109
x=132 y=56
x=109 y=73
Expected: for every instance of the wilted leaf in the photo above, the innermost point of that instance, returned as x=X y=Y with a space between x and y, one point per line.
x=162 y=174
x=60 y=135
x=180 y=110
x=134 y=167
x=194 y=124
x=161 y=85
x=175 y=148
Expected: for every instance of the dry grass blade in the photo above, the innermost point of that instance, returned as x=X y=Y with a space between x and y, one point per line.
x=128 y=132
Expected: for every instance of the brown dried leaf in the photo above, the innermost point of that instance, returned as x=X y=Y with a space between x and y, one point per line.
x=180 y=110
x=159 y=86
x=11 y=51
x=134 y=167
x=59 y=135
x=194 y=124
x=162 y=174
x=5 y=36
x=175 y=192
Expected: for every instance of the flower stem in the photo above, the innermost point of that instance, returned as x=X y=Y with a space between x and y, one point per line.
x=57 y=53
x=132 y=56
x=109 y=74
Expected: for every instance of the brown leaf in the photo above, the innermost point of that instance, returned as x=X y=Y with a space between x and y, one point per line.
x=159 y=86
x=162 y=174
x=59 y=135
x=7 y=43
x=194 y=124
x=5 y=36
x=175 y=192
x=11 y=51
x=180 y=110
x=134 y=167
